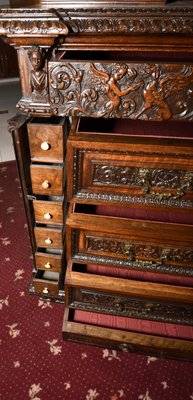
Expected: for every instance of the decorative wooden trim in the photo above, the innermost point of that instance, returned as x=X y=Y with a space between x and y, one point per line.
x=146 y=91
x=130 y=307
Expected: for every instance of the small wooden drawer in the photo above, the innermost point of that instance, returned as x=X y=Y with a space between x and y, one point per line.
x=128 y=169
x=48 y=212
x=47 y=140
x=47 y=180
x=46 y=283
x=127 y=243
x=115 y=333
x=49 y=238
x=48 y=262
x=128 y=298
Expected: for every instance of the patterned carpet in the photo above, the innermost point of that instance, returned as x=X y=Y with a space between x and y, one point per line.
x=35 y=364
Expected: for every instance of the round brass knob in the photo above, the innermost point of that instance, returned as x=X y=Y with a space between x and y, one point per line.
x=45 y=146
x=45 y=290
x=48 y=216
x=45 y=184
x=47 y=265
x=48 y=241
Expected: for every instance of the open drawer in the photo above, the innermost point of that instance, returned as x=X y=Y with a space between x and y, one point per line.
x=99 y=235
x=118 y=165
x=89 y=291
x=49 y=285
x=120 y=333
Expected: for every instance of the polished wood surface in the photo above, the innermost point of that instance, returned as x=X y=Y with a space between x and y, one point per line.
x=129 y=176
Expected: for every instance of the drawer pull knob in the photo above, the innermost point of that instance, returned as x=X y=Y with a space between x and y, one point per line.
x=48 y=241
x=45 y=290
x=45 y=146
x=48 y=265
x=48 y=216
x=45 y=184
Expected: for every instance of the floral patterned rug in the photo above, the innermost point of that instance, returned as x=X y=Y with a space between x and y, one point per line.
x=35 y=364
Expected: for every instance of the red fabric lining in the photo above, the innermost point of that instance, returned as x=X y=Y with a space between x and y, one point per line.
x=135 y=325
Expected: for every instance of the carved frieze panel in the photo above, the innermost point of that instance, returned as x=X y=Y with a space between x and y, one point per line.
x=145 y=178
x=131 y=307
x=140 y=252
x=128 y=262
x=130 y=90
x=160 y=186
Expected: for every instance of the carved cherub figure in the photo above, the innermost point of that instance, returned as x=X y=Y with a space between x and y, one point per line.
x=112 y=89
x=38 y=75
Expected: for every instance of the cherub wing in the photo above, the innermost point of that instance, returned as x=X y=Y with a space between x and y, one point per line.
x=101 y=75
x=176 y=82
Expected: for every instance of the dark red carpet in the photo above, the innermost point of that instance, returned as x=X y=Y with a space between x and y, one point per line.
x=35 y=364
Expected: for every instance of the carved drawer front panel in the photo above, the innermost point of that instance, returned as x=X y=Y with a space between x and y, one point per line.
x=128 y=170
x=47 y=140
x=134 y=307
x=48 y=262
x=47 y=180
x=121 y=89
x=135 y=244
x=115 y=333
x=48 y=212
x=49 y=238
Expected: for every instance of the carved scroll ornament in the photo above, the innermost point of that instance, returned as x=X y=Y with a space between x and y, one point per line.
x=129 y=90
x=132 y=307
x=145 y=178
x=138 y=251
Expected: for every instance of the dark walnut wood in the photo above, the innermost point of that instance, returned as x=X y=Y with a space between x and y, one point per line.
x=122 y=90
x=126 y=72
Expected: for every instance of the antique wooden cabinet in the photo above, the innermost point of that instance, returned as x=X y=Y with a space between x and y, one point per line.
x=104 y=145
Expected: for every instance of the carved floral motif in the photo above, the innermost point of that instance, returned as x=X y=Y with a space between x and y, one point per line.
x=137 y=91
x=146 y=178
x=132 y=307
x=138 y=251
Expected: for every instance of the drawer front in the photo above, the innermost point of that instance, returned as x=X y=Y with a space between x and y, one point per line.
x=141 y=245
x=133 y=307
x=115 y=89
x=45 y=287
x=48 y=238
x=47 y=180
x=154 y=173
x=48 y=212
x=47 y=141
x=48 y=262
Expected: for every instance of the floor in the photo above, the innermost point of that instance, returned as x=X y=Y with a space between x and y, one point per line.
x=9 y=96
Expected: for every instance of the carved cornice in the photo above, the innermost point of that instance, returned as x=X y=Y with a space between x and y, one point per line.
x=112 y=20
x=32 y=27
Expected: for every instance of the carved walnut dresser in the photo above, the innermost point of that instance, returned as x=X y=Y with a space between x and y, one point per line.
x=104 y=146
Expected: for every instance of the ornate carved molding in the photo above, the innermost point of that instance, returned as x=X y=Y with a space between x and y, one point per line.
x=141 y=24
x=138 y=251
x=184 y=180
x=144 y=178
x=101 y=20
x=22 y=22
x=134 y=265
x=127 y=90
x=131 y=307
